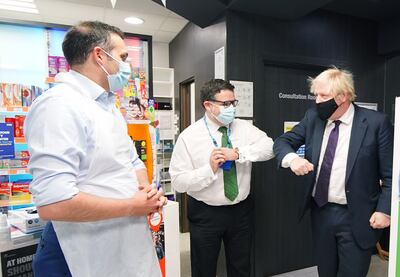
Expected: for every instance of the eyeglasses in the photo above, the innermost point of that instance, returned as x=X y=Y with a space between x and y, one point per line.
x=226 y=104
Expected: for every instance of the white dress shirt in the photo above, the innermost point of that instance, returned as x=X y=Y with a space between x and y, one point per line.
x=79 y=143
x=336 y=193
x=190 y=167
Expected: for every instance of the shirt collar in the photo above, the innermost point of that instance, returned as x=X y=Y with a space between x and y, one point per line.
x=347 y=117
x=89 y=87
x=211 y=124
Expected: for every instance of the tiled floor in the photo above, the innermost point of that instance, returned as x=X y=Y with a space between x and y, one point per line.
x=378 y=268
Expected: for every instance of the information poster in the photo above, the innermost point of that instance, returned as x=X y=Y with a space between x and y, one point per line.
x=219 y=63
x=244 y=93
x=394 y=261
x=156 y=223
x=7 y=150
x=18 y=262
x=288 y=126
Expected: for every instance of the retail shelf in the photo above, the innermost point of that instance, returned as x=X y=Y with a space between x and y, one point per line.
x=14 y=171
x=138 y=121
x=14 y=109
x=20 y=140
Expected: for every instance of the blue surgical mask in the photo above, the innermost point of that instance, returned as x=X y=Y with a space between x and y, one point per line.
x=226 y=115
x=118 y=80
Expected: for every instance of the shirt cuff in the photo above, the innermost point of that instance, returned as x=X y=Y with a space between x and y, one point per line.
x=287 y=160
x=138 y=164
x=242 y=155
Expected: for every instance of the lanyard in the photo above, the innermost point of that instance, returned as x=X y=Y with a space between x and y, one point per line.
x=212 y=138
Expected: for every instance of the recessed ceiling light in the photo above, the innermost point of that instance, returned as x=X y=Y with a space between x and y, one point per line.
x=19 y=5
x=134 y=20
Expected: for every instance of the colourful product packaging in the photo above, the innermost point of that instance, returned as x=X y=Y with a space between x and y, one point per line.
x=19 y=163
x=19 y=126
x=26 y=94
x=10 y=120
x=5 y=164
x=20 y=193
x=22 y=155
x=53 y=66
x=1 y=94
x=8 y=95
x=5 y=191
x=36 y=92
x=17 y=100
x=62 y=64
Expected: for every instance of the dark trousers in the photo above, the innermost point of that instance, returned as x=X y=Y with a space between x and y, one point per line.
x=336 y=252
x=49 y=259
x=209 y=226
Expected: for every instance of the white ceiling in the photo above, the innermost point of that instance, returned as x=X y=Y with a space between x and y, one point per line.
x=160 y=23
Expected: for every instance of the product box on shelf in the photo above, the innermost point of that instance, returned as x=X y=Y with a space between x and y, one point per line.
x=53 y=67
x=18 y=123
x=17 y=97
x=26 y=94
x=20 y=194
x=5 y=190
x=27 y=220
x=7 y=95
x=62 y=64
x=19 y=126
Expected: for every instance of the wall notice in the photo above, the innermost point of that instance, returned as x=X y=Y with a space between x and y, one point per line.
x=18 y=262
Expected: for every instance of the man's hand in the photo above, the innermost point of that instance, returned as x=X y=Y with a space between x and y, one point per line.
x=148 y=200
x=216 y=159
x=379 y=220
x=230 y=154
x=301 y=166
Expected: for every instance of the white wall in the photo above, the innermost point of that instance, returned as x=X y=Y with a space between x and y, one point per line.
x=160 y=54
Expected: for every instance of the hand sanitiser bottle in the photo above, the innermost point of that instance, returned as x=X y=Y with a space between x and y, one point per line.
x=5 y=232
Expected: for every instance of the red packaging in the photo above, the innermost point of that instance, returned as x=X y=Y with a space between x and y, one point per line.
x=10 y=120
x=19 y=126
x=5 y=191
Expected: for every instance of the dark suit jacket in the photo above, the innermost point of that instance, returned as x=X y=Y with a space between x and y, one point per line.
x=369 y=160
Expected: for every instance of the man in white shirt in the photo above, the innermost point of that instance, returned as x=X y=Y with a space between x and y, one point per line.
x=212 y=162
x=348 y=150
x=87 y=178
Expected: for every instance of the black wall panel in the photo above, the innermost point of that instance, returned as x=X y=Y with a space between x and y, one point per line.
x=192 y=55
x=278 y=56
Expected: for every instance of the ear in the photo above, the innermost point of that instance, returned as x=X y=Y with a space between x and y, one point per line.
x=207 y=105
x=98 y=56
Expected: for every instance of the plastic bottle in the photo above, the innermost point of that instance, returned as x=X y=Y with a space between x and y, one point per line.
x=5 y=232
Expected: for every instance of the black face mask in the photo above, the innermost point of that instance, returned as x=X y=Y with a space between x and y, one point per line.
x=326 y=109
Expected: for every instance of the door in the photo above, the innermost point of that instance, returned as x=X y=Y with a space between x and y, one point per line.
x=187 y=112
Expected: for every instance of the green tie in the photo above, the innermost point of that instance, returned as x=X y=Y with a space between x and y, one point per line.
x=230 y=181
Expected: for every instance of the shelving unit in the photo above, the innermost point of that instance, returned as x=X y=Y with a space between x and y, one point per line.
x=163 y=90
x=14 y=173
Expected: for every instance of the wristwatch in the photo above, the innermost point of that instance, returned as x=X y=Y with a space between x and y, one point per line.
x=237 y=152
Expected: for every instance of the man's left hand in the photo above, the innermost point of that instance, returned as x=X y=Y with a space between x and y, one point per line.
x=229 y=154
x=379 y=220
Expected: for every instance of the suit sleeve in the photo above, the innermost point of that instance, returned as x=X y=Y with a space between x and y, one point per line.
x=290 y=141
x=385 y=155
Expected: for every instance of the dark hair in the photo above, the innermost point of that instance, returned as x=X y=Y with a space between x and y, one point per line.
x=212 y=87
x=82 y=38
